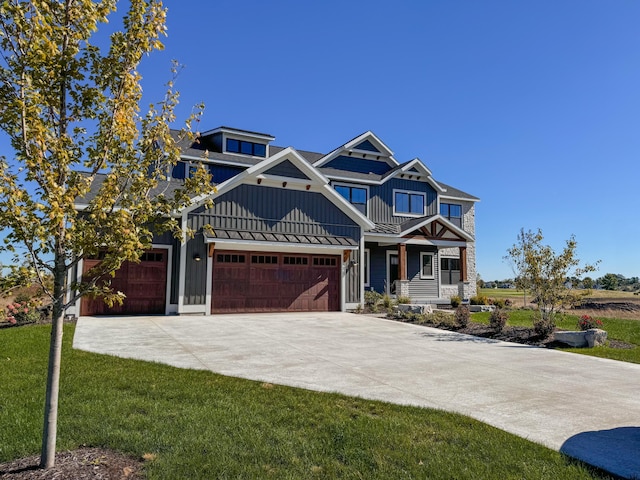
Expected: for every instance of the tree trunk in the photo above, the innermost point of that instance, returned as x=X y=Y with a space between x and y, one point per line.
x=49 y=434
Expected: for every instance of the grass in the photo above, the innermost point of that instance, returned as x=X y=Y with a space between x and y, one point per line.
x=197 y=424
x=593 y=294
x=626 y=330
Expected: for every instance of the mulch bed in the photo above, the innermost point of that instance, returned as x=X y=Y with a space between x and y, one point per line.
x=81 y=464
x=523 y=335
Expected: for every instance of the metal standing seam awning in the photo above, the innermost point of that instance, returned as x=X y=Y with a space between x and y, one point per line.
x=285 y=238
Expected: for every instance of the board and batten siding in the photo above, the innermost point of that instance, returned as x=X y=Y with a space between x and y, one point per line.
x=253 y=208
x=378 y=267
x=167 y=238
x=381 y=199
x=195 y=288
x=352 y=279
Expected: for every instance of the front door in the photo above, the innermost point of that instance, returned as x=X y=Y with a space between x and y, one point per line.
x=392 y=272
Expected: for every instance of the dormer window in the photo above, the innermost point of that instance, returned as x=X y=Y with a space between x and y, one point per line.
x=409 y=204
x=246 y=148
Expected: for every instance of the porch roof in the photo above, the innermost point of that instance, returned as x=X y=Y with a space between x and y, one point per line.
x=318 y=240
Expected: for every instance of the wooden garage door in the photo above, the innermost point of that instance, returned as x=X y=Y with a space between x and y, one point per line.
x=144 y=284
x=274 y=282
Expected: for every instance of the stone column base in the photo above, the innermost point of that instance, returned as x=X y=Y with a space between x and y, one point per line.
x=402 y=288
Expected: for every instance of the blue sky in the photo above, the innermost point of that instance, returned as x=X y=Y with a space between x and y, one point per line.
x=532 y=106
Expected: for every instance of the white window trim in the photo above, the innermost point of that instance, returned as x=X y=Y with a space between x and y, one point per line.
x=409 y=192
x=367 y=262
x=354 y=185
x=433 y=268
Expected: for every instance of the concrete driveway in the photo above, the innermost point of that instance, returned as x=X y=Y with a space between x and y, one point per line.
x=587 y=407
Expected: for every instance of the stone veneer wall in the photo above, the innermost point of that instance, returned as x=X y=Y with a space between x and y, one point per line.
x=467 y=289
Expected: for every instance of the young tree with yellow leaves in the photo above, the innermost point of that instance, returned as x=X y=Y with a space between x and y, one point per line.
x=71 y=111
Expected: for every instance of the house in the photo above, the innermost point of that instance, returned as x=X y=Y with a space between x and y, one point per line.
x=292 y=230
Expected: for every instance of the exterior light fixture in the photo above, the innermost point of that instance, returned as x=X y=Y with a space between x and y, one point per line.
x=197 y=257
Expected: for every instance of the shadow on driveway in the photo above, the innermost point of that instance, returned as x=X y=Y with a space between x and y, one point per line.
x=605 y=447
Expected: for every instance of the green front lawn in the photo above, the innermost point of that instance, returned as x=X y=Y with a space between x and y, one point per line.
x=617 y=329
x=202 y=425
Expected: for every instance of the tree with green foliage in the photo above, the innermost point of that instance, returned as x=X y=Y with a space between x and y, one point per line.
x=609 y=281
x=588 y=283
x=545 y=273
x=71 y=111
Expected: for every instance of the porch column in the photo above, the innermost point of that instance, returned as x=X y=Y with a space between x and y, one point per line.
x=463 y=264
x=402 y=285
x=402 y=261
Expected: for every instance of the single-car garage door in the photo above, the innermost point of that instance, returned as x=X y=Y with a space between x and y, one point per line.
x=144 y=284
x=275 y=282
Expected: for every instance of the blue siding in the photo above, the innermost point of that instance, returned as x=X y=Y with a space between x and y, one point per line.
x=256 y=208
x=368 y=146
x=381 y=201
x=286 y=169
x=221 y=173
x=179 y=170
x=196 y=272
x=378 y=267
x=360 y=165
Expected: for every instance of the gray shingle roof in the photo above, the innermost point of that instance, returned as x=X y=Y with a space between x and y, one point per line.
x=454 y=192
x=167 y=187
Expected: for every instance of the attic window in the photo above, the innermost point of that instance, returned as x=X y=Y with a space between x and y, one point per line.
x=246 y=148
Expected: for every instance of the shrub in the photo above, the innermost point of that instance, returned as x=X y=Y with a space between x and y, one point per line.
x=455 y=301
x=479 y=300
x=386 y=301
x=508 y=302
x=587 y=321
x=358 y=308
x=498 y=319
x=462 y=316
x=404 y=300
x=20 y=313
x=543 y=326
x=499 y=303
x=371 y=297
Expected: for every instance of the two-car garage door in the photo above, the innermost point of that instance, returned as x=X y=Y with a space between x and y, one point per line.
x=274 y=282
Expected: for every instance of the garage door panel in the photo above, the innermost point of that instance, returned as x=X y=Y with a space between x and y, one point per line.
x=144 y=285
x=269 y=282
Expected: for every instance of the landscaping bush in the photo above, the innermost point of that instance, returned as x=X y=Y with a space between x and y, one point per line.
x=371 y=297
x=586 y=322
x=455 y=301
x=479 y=300
x=498 y=319
x=386 y=301
x=542 y=326
x=404 y=300
x=20 y=313
x=462 y=316
x=499 y=303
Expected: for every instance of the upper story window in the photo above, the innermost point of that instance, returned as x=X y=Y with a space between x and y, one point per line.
x=408 y=203
x=452 y=212
x=357 y=196
x=246 y=148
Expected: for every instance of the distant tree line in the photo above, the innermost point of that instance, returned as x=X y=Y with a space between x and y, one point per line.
x=609 y=281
